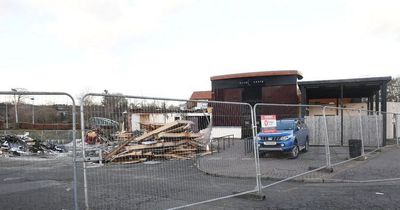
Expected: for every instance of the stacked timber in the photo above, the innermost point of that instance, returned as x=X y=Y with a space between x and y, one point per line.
x=170 y=141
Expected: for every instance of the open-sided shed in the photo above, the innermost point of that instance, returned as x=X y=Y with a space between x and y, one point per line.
x=374 y=89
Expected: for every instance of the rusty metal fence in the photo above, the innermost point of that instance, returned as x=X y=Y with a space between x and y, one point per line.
x=37 y=156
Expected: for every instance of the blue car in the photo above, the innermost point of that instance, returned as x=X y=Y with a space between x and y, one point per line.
x=290 y=137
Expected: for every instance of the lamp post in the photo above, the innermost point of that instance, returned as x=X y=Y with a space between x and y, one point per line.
x=33 y=110
x=15 y=105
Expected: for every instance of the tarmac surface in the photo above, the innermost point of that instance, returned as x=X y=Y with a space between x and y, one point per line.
x=46 y=183
x=234 y=162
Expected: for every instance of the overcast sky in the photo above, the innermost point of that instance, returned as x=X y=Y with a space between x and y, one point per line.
x=170 y=48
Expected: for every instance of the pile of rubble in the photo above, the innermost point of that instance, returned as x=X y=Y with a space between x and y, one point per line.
x=171 y=141
x=96 y=136
x=17 y=145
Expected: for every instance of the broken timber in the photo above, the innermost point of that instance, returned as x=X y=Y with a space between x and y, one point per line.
x=173 y=140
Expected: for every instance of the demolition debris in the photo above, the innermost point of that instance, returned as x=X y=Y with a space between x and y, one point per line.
x=170 y=141
x=17 y=145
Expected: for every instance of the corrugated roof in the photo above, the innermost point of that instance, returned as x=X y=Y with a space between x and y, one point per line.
x=201 y=95
x=259 y=74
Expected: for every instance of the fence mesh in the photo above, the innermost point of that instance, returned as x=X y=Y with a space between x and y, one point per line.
x=36 y=154
x=359 y=136
x=292 y=146
x=397 y=128
x=154 y=154
x=392 y=128
x=345 y=131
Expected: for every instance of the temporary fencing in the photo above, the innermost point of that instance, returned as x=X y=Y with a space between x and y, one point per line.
x=295 y=145
x=356 y=133
x=393 y=127
x=164 y=153
x=37 y=158
x=397 y=128
x=156 y=153
x=330 y=137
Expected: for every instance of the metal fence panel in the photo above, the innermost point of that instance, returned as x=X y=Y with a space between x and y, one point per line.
x=397 y=128
x=152 y=153
x=360 y=135
x=392 y=127
x=37 y=133
x=293 y=148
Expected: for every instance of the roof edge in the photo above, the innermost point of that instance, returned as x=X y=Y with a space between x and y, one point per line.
x=198 y=95
x=350 y=80
x=259 y=74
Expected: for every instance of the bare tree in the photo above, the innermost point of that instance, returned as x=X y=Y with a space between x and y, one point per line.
x=18 y=98
x=89 y=100
x=393 y=89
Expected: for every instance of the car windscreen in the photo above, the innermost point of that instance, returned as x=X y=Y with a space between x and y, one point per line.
x=285 y=125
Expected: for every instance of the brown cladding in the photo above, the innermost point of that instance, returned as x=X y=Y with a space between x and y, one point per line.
x=286 y=94
x=274 y=87
x=258 y=74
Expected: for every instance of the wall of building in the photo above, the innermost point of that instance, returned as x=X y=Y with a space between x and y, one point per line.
x=393 y=107
x=152 y=118
x=317 y=111
x=200 y=120
x=220 y=131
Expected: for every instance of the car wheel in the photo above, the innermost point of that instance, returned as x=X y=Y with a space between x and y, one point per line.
x=294 y=153
x=307 y=146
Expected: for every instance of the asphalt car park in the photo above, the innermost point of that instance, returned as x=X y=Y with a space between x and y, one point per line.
x=44 y=183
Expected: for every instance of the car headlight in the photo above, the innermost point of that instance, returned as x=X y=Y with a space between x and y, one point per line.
x=258 y=140
x=284 y=138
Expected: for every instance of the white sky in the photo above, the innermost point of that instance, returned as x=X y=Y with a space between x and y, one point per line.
x=169 y=48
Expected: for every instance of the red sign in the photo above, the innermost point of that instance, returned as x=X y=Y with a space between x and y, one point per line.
x=268 y=123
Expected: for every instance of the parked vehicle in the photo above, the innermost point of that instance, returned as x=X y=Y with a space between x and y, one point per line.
x=290 y=137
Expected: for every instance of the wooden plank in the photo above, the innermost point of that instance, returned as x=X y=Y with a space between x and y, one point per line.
x=156 y=131
x=196 y=144
x=183 y=153
x=184 y=128
x=179 y=135
x=134 y=161
x=206 y=153
x=157 y=145
x=172 y=156
x=142 y=137
x=133 y=155
x=178 y=129
x=184 y=150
